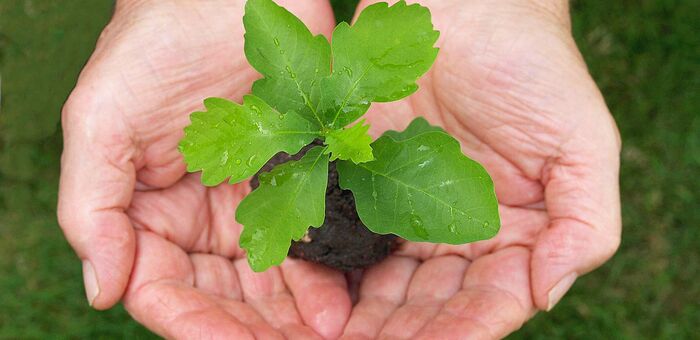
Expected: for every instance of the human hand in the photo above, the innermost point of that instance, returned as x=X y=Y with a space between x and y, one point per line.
x=510 y=83
x=145 y=230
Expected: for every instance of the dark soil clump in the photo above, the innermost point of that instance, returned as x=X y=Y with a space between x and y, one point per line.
x=342 y=242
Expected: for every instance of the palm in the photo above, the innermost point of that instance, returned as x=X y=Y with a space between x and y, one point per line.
x=501 y=93
x=190 y=259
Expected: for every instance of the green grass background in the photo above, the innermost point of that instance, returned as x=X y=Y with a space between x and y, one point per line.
x=644 y=54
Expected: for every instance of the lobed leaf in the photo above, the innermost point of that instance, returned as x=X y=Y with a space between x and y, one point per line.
x=281 y=47
x=235 y=141
x=351 y=144
x=290 y=198
x=378 y=59
x=423 y=188
x=417 y=126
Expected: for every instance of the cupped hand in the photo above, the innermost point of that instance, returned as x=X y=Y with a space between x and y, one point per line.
x=510 y=84
x=145 y=230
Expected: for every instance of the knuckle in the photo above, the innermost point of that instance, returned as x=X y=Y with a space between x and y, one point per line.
x=111 y=236
x=616 y=135
x=563 y=246
x=96 y=231
x=66 y=218
x=76 y=103
x=609 y=246
x=105 y=129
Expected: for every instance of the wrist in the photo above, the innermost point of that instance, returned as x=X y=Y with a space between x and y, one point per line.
x=556 y=9
x=128 y=5
x=125 y=4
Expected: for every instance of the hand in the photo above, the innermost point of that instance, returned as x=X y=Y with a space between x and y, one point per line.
x=511 y=85
x=146 y=231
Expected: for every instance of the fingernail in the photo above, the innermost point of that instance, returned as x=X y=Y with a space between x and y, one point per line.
x=92 y=289
x=558 y=291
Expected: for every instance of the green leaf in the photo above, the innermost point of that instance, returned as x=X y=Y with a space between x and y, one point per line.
x=417 y=126
x=293 y=61
x=351 y=143
x=231 y=140
x=423 y=189
x=378 y=59
x=290 y=198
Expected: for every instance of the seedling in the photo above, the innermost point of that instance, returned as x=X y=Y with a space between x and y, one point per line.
x=416 y=183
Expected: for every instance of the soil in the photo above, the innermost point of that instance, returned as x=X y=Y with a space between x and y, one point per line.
x=342 y=242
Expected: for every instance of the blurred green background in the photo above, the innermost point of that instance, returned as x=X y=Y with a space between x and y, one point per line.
x=644 y=54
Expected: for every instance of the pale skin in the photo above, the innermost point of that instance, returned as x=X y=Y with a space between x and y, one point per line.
x=509 y=83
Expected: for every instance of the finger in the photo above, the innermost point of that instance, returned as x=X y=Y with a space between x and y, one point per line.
x=382 y=291
x=97 y=178
x=257 y=324
x=247 y=315
x=216 y=275
x=495 y=299
x=162 y=297
x=267 y=294
x=434 y=282
x=583 y=201
x=321 y=296
x=196 y=218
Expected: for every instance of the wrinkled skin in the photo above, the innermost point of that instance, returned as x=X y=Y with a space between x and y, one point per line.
x=509 y=83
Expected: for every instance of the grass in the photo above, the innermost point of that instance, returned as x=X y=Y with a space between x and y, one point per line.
x=643 y=54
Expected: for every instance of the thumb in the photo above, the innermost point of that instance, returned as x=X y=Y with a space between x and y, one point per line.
x=96 y=185
x=583 y=202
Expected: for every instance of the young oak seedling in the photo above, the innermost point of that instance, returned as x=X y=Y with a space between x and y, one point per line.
x=416 y=184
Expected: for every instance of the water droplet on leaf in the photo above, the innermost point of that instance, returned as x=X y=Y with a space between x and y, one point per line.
x=224 y=158
x=229 y=119
x=486 y=224
x=258 y=235
x=250 y=160
x=238 y=162
x=417 y=225
x=291 y=73
x=452 y=227
x=416 y=221
x=446 y=183
x=276 y=41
